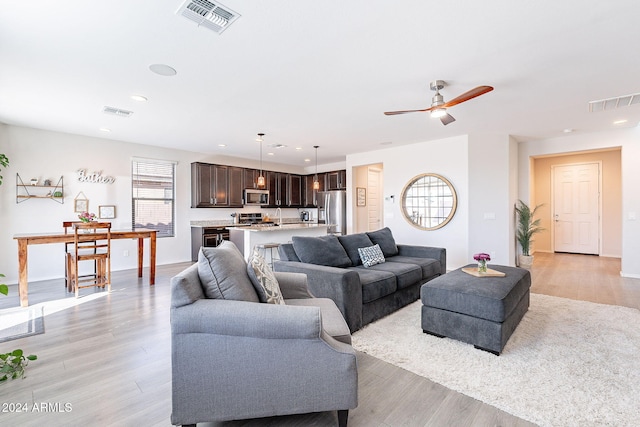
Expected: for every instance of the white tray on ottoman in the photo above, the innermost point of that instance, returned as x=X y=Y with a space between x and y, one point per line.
x=483 y=311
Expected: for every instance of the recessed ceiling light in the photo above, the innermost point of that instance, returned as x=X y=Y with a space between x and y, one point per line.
x=277 y=146
x=298 y=148
x=269 y=154
x=222 y=145
x=139 y=98
x=567 y=130
x=619 y=122
x=307 y=160
x=163 y=70
x=104 y=130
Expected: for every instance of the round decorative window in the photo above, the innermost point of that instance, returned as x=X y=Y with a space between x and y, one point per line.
x=429 y=201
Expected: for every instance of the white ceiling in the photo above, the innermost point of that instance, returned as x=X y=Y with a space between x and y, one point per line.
x=316 y=73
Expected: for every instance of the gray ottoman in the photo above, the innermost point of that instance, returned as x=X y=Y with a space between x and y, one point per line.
x=483 y=311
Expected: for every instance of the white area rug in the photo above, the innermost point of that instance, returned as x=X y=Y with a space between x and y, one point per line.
x=21 y=322
x=569 y=363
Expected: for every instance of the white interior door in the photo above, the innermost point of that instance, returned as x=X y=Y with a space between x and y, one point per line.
x=374 y=196
x=576 y=208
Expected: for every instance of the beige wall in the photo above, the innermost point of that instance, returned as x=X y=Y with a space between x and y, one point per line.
x=611 y=244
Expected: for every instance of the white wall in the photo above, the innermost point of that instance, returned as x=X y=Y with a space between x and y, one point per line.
x=491 y=197
x=482 y=169
x=447 y=157
x=629 y=141
x=48 y=155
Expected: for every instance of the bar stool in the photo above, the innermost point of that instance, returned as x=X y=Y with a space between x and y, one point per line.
x=263 y=251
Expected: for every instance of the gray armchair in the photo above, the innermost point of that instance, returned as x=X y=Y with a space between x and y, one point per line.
x=238 y=359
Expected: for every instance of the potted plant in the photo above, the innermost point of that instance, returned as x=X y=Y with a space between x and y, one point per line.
x=12 y=364
x=527 y=226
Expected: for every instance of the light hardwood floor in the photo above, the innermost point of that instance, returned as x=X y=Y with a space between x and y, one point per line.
x=109 y=358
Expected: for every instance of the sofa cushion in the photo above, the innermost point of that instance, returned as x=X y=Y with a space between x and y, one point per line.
x=263 y=279
x=406 y=274
x=430 y=267
x=386 y=241
x=371 y=255
x=287 y=253
x=223 y=273
x=352 y=242
x=375 y=283
x=323 y=250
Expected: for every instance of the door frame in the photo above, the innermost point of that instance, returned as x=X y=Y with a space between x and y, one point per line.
x=553 y=198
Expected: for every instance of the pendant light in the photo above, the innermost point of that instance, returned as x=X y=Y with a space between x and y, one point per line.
x=260 y=180
x=316 y=183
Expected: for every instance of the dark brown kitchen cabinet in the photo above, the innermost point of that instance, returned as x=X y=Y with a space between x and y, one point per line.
x=236 y=186
x=277 y=186
x=337 y=180
x=210 y=186
x=310 y=195
x=295 y=191
x=221 y=185
x=202 y=193
x=285 y=190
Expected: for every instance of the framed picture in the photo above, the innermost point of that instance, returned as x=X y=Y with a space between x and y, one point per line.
x=80 y=205
x=106 y=211
x=361 y=196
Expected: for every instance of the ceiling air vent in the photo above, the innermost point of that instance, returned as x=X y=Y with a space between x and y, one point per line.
x=213 y=16
x=117 y=111
x=613 y=103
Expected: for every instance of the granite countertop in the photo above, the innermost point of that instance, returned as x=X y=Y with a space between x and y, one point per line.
x=286 y=222
x=285 y=226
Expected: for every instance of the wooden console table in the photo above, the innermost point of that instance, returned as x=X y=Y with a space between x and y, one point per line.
x=24 y=240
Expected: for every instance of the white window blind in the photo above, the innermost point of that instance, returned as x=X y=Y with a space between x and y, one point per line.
x=153 y=200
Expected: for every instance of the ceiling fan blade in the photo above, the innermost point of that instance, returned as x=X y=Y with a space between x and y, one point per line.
x=446 y=119
x=392 y=113
x=480 y=90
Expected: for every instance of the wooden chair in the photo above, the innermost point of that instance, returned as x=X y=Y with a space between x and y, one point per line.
x=92 y=242
x=68 y=226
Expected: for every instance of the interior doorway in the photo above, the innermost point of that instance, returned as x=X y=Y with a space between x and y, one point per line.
x=367 y=210
x=610 y=198
x=576 y=208
x=374 y=205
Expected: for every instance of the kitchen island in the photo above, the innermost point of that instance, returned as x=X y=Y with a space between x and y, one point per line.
x=246 y=238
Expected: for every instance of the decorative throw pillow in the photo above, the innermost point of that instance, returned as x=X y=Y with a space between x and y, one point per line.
x=263 y=279
x=371 y=255
x=223 y=273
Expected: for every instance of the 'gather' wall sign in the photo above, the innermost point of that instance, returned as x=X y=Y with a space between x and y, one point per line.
x=95 y=177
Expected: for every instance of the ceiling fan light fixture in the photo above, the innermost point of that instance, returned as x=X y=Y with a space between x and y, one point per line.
x=438 y=112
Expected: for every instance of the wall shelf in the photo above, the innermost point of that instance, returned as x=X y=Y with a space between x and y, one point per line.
x=26 y=192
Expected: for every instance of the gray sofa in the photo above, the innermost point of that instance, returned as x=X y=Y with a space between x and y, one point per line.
x=233 y=357
x=334 y=270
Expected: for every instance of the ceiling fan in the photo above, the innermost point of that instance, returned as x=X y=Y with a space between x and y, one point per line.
x=439 y=107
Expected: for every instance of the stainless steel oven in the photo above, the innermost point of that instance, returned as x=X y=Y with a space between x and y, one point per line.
x=208 y=237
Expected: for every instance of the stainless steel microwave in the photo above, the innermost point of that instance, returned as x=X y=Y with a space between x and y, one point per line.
x=256 y=197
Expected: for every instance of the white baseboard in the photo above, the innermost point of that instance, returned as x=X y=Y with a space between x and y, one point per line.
x=630 y=276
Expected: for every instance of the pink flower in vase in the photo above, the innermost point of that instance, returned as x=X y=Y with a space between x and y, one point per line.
x=87 y=216
x=482 y=259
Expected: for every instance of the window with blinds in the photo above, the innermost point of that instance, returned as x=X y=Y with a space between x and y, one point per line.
x=153 y=196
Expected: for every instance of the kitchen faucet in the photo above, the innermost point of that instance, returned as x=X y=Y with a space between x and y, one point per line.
x=279 y=213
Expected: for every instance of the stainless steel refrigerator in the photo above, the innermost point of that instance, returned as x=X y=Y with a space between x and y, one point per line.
x=332 y=209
